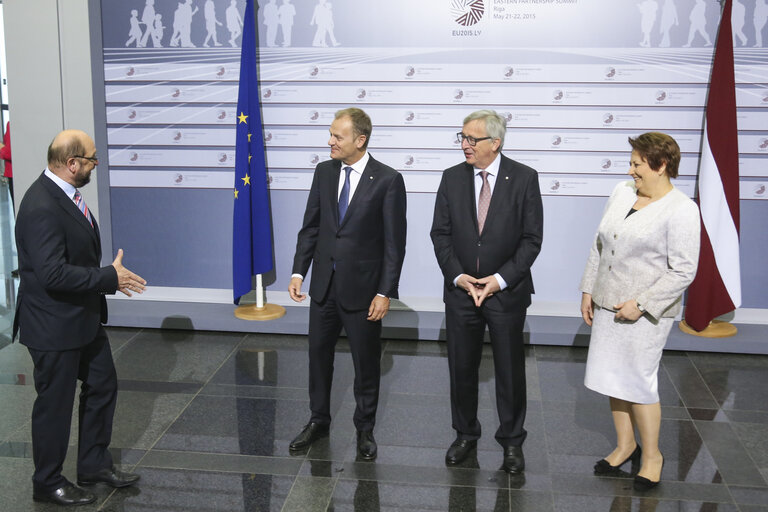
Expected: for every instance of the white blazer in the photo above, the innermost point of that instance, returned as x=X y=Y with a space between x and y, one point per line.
x=650 y=256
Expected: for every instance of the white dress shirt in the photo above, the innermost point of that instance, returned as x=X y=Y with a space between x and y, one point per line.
x=354 y=177
x=68 y=188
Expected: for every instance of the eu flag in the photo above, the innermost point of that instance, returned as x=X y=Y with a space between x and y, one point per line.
x=252 y=234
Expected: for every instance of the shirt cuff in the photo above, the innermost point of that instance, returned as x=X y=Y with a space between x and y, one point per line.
x=297 y=275
x=500 y=280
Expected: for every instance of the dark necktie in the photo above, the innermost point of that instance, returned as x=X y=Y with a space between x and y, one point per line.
x=483 y=202
x=344 y=197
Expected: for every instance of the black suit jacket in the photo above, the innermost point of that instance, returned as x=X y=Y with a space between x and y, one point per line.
x=367 y=249
x=61 y=302
x=511 y=237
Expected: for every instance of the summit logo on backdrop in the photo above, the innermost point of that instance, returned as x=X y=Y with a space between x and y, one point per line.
x=467 y=12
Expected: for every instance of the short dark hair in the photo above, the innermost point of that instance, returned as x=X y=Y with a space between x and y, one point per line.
x=60 y=152
x=361 y=123
x=658 y=149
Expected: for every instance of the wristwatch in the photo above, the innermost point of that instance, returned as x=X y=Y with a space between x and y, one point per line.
x=640 y=307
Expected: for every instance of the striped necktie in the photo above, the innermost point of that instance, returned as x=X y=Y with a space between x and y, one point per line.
x=484 y=201
x=83 y=207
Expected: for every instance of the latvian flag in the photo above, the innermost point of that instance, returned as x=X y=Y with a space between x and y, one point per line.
x=717 y=287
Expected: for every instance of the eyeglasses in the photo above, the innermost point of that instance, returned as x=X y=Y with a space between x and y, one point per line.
x=94 y=159
x=472 y=141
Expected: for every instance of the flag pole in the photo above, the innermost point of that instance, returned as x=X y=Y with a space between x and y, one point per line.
x=260 y=311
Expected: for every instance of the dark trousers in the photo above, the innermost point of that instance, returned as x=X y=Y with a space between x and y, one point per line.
x=465 y=329
x=56 y=375
x=325 y=322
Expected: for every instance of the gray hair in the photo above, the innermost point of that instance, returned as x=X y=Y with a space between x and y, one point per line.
x=495 y=125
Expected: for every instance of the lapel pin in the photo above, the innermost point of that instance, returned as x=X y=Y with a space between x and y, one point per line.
x=506 y=177
x=371 y=177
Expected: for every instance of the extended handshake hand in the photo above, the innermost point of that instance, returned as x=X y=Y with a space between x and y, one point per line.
x=127 y=281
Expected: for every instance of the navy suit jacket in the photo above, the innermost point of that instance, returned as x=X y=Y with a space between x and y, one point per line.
x=511 y=237
x=61 y=302
x=364 y=253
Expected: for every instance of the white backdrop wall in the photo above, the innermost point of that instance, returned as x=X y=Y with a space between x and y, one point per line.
x=571 y=77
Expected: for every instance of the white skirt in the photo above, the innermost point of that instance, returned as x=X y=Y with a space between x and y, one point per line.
x=623 y=359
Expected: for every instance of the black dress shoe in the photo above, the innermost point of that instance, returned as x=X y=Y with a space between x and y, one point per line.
x=109 y=476
x=366 y=445
x=514 y=460
x=309 y=434
x=642 y=484
x=459 y=451
x=603 y=467
x=65 y=496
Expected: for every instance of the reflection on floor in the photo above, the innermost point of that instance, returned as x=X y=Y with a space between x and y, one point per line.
x=206 y=418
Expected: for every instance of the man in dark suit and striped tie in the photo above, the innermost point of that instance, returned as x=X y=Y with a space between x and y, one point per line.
x=60 y=311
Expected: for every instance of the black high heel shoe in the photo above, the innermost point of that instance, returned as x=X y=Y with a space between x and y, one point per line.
x=603 y=467
x=643 y=484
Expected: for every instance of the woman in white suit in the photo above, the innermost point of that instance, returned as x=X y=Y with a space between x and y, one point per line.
x=644 y=256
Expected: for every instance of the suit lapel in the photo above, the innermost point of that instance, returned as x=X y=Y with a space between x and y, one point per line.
x=500 y=190
x=70 y=207
x=468 y=193
x=332 y=189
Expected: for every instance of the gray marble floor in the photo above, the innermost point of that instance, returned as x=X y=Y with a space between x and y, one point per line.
x=206 y=419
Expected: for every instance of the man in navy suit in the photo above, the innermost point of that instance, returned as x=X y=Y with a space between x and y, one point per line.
x=60 y=311
x=487 y=231
x=354 y=236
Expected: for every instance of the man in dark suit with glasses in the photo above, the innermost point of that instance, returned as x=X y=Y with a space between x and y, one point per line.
x=487 y=231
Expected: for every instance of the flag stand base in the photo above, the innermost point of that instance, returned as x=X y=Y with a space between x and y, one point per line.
x=252 y=312
x=715 y=329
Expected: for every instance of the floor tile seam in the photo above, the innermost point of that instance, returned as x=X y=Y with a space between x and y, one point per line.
x=108 y=497
x=677 y=390
x=741 y=443
x=701 y=376
x=334 y=484
x=192 y=399
x=595 y=404
x=26 y=424
x=599 y=492
x=437 y=468
x=762 y=411
x=296 y=479
x=634 y=494
x=121 y=348
x=281 y=398
x=436 y=484
x=221 y=454
x=431 y=395
x=227 y=456
x=627 y=479
x=444 y=485
x=254 y=386
x=215 y=470
x=165 y=430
